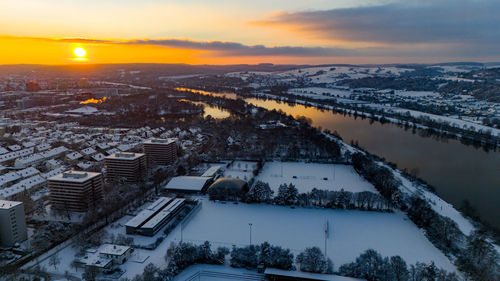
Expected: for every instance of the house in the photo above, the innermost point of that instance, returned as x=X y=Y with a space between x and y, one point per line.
x=117 y=253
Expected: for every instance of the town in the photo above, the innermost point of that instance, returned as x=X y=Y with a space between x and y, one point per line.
x=153 y=181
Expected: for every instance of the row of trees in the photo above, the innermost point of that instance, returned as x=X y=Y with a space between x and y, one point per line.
x=373 y=267
x=180 y=256
x=265 y=254
x=288 y=195
x=370 y=265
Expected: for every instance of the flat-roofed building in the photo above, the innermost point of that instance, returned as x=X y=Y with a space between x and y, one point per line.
x=12 y=223
x=117 y=253
x=273 y=274
x=131 y=167
x=155 y=216
x=188 y=184
x=160 y=151
x=75 y=190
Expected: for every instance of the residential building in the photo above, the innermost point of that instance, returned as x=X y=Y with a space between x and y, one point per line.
x=131 y=167
x=160 y=151
x=12 y=222
x=76 y=190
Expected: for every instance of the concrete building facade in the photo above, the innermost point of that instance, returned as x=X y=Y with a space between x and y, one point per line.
x=75 y=190
x=130 y=167
x=12 y=223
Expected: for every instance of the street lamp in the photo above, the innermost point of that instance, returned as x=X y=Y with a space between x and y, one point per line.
x=250 y=225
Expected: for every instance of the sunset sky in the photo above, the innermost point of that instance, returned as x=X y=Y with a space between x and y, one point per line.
x=257 y=31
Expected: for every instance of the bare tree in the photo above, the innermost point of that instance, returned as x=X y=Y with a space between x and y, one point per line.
x=54 y=260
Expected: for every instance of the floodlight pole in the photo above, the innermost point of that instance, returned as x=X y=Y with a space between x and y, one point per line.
x=250 y=225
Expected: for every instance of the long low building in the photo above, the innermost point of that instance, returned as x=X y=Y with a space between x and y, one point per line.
x=188 y=184
x=274 y=274
x=158 y=214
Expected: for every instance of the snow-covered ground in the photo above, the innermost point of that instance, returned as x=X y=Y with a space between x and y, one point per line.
x=439 y=205
x=319 y=92
x=241 y=170
x=351 y=233
x=416 y=93
x=306 y=176
x=439 y=118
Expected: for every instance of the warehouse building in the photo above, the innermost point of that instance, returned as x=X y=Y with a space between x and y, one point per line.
x=157 y=215
x=12 y=222
x=75 y=191
x=160 y=151
x=126 y=166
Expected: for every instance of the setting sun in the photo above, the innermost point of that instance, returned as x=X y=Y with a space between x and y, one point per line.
x=80 y=52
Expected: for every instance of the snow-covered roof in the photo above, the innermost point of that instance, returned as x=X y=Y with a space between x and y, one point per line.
x=88 y=151
x=144 y=215
x=84 y=165
x=192 y=183
x=74 y=176
x=28 y=144
x=210 y=172
x=21 y=186
x=159 y=141
x=16 y=154
x=113 y=150
x=28 y=172
x=164 y=213
x=83 y=110
x=43 y=146
x=125 y=156
x=114 y=250
x=14 y=147
x=74 y=155
x=308 y=275
x=54 y=172
x=98 y=157
x=4 y=204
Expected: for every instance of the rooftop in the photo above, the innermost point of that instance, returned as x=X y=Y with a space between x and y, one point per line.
x=210 y=172
x=8 y=204
x=159 y=141
x=187 y=183
x=112 y=249
x=309 y=276
x=125 y=155
x=74 y=176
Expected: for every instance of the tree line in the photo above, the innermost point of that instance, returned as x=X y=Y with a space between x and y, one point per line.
x=288 y=195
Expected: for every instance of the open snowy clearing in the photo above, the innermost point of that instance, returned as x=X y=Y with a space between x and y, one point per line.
x=351 y=233
x=306 y=176
x=320 y=92
x=241 y=170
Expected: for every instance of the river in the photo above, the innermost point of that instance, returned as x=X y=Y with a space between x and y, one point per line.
x=457 y=171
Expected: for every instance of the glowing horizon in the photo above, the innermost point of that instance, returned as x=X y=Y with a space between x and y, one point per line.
x=239 y=32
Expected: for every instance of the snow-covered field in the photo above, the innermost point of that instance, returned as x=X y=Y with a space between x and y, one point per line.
x=319 y=92
x=306 y=176
x=241 y=170
x=351 y=233
x=439 y=118
x=416 y=93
